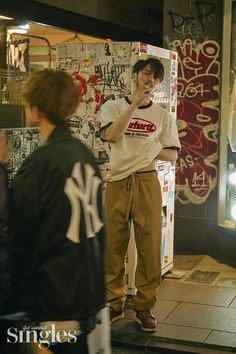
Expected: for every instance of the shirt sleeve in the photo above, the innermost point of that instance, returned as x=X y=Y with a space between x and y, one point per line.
x=108 y=115
x=169 y=138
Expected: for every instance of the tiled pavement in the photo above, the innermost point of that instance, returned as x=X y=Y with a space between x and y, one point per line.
x=195 y=314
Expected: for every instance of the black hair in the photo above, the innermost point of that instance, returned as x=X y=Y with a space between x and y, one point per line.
x=156 y=66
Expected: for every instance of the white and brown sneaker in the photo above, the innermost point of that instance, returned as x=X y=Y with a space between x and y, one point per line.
x=146 y=319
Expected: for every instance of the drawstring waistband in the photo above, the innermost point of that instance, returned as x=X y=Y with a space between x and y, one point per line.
x=130 y=186
x=140 y=172
x=129 y=179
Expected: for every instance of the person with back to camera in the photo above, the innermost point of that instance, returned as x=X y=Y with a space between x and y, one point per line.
x=56 y=226
x=139 y=132
x=4 y=214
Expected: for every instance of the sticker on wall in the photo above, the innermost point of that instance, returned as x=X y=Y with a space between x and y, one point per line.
x=143 y=47
x=163 y=249
x=165 y=189
x=164 y=216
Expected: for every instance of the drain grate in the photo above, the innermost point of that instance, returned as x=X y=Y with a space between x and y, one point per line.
x=202 y=276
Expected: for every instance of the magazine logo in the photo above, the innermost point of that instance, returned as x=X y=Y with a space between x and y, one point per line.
x=43 y=335
x=140 y=125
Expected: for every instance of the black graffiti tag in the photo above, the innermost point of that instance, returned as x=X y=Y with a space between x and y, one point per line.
x=186 y=24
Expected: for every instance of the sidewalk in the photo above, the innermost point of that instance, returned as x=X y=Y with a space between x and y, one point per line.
x=195 y=314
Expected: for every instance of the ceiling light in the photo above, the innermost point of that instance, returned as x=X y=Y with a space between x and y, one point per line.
x=25 y=26
x=5 y=18
x=16 y=29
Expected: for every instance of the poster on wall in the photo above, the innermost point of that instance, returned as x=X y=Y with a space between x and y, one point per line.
x=23 y=141
x=18 y=54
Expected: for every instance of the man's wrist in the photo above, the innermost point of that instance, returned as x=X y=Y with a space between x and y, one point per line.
x=133 y=106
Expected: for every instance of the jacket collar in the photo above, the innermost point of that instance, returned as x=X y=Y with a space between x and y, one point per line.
x=61 y=132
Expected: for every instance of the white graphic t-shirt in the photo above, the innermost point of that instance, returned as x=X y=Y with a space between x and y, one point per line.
x=150 y=129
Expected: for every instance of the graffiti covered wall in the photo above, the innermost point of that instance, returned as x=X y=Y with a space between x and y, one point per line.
x=193 y=29
x=198 y=119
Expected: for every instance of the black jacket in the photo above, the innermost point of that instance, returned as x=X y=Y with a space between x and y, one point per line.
x=57 y=232
x=4 y=269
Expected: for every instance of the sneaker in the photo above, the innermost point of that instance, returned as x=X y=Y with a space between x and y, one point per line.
x=115 y=315
x=146 y=319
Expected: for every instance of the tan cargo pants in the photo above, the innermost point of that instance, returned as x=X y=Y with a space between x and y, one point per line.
x=136 y=197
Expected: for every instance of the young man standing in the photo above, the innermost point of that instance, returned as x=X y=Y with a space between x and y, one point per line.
x=139 y=132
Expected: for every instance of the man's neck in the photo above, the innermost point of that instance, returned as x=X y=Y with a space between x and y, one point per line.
x=46 y=128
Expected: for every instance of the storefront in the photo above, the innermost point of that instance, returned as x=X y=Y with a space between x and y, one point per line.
x=51 y=30
x=54 y=25
x=226 y=239
x=102 y=69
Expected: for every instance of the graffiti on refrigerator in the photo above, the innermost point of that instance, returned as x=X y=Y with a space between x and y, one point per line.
x=198 y=120
x=102 y=72
x=112 y=77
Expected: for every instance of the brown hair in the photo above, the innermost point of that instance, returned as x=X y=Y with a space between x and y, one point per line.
x=54 y=93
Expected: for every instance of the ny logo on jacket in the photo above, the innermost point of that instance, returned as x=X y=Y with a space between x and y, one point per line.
x=83 y=192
